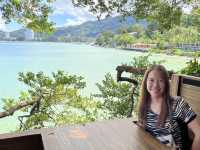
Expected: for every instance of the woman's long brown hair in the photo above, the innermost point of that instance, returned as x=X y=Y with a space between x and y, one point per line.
x=144 y=102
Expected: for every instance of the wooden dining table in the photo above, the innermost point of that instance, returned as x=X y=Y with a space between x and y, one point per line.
x=117 y=134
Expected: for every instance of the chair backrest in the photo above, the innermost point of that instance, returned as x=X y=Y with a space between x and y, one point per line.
x=189 y=88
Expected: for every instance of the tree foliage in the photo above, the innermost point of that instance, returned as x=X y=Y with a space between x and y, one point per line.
x=116 y=95
x=30 y=13
x=166 y=13
x=124 y=39
x=34 y=13
x=182 y=35
x=192 y=68
x=196 y=17
x=55 y=100
x=138 y=29
x=105 y=39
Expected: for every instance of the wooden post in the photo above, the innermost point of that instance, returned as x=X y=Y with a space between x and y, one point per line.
x=175 y=85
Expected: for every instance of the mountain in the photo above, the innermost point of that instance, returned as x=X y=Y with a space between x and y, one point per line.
x=2 y=35
x=18 y=34
x=92 y=29
x=87 y=30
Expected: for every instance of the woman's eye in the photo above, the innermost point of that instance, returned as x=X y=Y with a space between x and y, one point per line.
x=151 y=80
x=161 y=81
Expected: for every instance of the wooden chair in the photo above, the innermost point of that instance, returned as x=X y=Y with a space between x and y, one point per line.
x=187 y=87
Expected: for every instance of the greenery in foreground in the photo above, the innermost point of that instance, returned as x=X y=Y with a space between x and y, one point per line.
x=60 y=101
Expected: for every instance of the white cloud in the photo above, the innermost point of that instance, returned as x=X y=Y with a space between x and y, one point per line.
x=187 y=9
x=76 y=21
x=75 y=15
x=2 y=24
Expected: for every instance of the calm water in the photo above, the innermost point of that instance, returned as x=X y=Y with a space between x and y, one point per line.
x=88 y=61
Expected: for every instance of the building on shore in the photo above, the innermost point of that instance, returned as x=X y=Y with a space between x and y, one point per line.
x=7 y=35
x=29 y=35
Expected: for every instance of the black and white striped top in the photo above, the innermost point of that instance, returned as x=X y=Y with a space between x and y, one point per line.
x=171 y=133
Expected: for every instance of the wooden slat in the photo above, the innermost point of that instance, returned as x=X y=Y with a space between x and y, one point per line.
x=192 y=96
x=109 y=135
x=30 y=142
x=17 y=134
x=191 y=88
x=191 y=77
x=49 y=139
x=174 y=85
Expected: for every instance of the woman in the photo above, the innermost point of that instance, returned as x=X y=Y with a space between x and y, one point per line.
x=165 y=116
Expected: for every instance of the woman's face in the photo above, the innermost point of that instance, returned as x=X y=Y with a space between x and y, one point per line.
x=155 y=84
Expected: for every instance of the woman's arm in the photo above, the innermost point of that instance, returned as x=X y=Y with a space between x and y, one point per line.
x=194 y=126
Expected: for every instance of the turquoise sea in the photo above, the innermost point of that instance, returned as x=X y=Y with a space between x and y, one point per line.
x=88 y=61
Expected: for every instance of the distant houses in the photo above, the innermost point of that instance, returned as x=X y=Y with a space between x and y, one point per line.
x=142 y=47
x=188 y=46
x=145 y=47
x=22 y=35
x=133 y=33
x=29 y=35
x=7 y=35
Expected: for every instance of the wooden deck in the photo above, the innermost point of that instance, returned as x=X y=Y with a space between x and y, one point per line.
x=106 y=135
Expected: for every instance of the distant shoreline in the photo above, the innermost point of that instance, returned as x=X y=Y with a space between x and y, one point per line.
x=95 y=45
x=135 y=49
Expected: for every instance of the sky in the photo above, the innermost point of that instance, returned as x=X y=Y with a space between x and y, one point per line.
x=64 y=14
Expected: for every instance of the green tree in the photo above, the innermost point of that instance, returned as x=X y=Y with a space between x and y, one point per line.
x=187 y=20
x=105 y=39
x=138 y=29
x=192 y=19
x=116 y=95
x=124 y=39
x=196 y=17
x=152 y=27
x=166 y=13
x=192 y=68
x=122 y=30
x=51 y=100
x=182 y=35
x=30 y=13
x=34 y=13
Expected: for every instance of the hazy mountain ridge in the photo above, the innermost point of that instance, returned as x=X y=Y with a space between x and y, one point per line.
x=93 y=28
x=89 y=29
